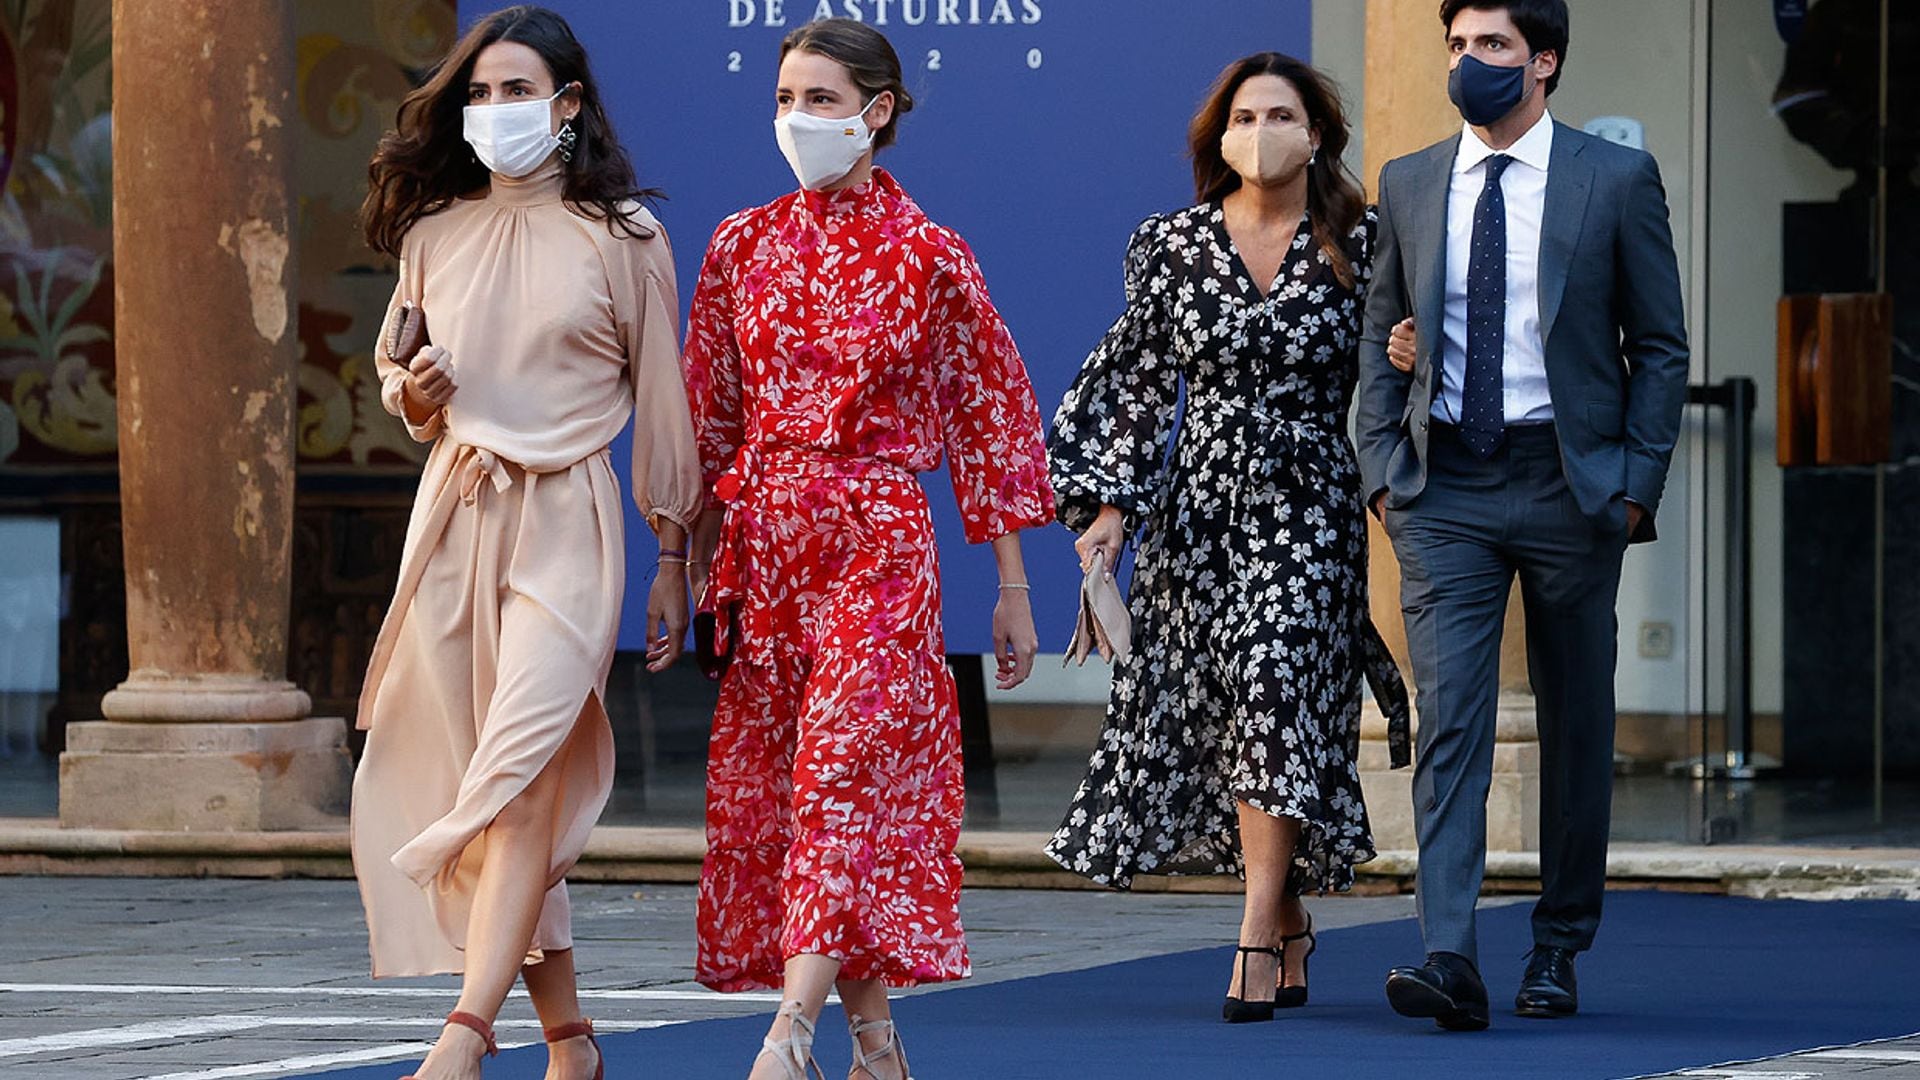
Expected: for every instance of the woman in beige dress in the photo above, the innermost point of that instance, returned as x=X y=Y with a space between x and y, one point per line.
x=552 y=314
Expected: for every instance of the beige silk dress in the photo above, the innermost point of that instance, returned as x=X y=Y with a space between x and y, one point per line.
x=493 y=659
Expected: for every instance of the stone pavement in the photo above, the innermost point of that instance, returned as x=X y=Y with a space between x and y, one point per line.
x=171 y=979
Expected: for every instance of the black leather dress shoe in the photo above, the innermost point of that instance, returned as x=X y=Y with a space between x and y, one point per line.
x=1548 y=990
x=1446 y=989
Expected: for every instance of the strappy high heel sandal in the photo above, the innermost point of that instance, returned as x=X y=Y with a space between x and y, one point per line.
x=795 y=1052
x=1292 y=997
x=573 y=1031
x=477 y=1026
x=1241 y=1011
x=864 y=1060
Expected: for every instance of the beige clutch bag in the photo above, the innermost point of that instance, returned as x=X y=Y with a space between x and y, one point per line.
x=1104 y=622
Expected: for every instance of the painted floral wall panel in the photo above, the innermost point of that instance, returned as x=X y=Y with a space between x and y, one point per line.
x=355 y=60
x=56 y=235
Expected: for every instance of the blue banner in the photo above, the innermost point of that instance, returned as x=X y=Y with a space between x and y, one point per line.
x=1044 y=131
x=1789 y=16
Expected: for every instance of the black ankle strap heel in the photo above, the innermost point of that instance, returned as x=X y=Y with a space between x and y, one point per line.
x=1242 y=1011
x=1292 y=997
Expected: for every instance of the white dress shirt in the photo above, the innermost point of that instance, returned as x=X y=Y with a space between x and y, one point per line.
x=1524 y=186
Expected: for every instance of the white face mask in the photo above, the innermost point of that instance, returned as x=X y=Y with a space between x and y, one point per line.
x=512 y=139
x=822 y=151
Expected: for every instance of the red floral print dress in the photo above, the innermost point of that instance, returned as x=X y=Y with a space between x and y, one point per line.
x=839 y=344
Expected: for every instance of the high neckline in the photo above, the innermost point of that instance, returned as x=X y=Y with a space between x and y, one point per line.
x=541 y=187
x=871 y=198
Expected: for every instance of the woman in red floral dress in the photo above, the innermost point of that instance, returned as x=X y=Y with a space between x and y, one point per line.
x=840 y=343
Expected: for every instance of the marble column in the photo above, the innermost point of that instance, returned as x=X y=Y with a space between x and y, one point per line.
x=1406 y=108
x=206 y=733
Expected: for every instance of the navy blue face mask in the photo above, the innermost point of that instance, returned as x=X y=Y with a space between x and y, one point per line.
x=1483 y=92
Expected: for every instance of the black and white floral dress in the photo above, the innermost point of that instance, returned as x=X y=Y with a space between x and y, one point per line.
x=1249 y=593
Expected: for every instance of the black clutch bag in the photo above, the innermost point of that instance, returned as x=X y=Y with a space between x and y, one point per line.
x=713 y=663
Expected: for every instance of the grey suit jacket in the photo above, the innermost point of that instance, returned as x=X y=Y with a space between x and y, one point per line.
x=1610 y=315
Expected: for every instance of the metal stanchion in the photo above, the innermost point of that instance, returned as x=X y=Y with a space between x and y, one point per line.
x=1736 y=759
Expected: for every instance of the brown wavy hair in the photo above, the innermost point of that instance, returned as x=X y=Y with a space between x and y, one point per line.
x=870 y=61
x=424 y=163
x=1334 y=202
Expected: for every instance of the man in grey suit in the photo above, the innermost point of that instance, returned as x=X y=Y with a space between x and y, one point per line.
x=1522 y=373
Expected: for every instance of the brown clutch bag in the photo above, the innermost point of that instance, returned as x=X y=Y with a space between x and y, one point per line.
x=407 y=335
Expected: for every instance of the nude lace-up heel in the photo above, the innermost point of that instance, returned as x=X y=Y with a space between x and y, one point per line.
x=795 y=1052
x=864 y=1060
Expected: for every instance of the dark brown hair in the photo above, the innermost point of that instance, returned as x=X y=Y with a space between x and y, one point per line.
x=1544 y=23
x=869 y=59
x=425 y=162
x=1334 y=202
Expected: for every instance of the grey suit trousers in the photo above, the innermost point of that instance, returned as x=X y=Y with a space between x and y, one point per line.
x=1460 y=542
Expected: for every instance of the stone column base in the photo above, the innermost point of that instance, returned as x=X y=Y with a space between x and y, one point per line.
x=194 y=699
x=1513 y=802
x=293 y=774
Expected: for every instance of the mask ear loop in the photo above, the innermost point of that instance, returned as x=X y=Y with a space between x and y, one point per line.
x=868 y=107
x=872 y=133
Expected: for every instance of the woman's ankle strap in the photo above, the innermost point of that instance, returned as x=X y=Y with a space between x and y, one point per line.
x=859 y=1025
x=564 y=1032
x=796 y=1015
x=477 y=1026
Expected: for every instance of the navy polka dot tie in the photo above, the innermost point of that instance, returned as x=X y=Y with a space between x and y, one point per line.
x=1483 y=414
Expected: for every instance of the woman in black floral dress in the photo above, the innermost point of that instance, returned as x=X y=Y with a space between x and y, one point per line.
x=1232 y=732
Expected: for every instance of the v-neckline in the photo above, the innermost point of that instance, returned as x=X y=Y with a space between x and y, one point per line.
x=1239 y=261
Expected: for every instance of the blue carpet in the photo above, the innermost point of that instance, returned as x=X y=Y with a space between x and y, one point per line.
x=1676 y=981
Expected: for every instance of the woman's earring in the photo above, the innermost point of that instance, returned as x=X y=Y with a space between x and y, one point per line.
x=568 y=137
x=1314 y=158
